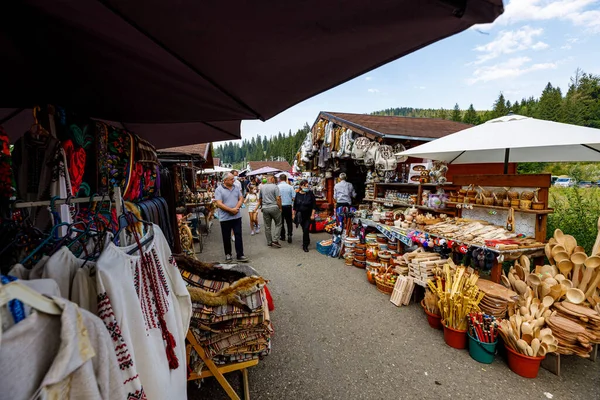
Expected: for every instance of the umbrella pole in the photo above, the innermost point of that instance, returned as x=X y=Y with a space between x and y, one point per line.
x=506 y=157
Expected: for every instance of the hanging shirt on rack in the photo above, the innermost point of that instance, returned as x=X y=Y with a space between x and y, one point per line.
x=59 y=357
x=146 y=307
x=34 y=159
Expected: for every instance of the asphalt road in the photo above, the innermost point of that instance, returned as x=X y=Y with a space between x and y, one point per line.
x=337 y=337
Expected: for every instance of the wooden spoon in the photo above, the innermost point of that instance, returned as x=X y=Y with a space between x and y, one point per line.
x=548 y=251
x=592 y=287
x=559 y=236
x=577 y=259
x=505 y=282
x=560 y=256
x=591 y=263
x=535 y=346
x=521 y=287
x=557 y=249
x=534 y=281
x=575 y=296
x=579 y=249
x=522 y=346
x=525 y=263
x=569 y=243
x=596 y=247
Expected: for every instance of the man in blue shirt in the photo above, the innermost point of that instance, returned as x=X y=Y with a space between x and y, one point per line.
x=229 y=199
x=287 y=194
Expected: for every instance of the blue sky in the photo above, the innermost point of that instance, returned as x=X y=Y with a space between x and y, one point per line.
x=534 y=42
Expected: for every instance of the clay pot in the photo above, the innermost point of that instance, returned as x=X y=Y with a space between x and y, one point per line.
x=372 y=251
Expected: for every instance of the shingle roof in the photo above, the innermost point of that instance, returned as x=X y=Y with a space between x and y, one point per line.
x=409 y=127
x=281 y=165
x=202 y=149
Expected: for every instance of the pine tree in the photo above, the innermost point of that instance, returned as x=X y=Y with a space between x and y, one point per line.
x=471 y=116
x=456 y=114
x=549 y=106
x=500 y=109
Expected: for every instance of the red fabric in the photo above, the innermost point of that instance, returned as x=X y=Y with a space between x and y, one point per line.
x=269 y=299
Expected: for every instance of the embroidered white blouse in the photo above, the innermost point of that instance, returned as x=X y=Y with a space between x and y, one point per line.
x=131 y=300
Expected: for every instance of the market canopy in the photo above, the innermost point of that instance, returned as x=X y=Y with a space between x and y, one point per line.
x=513 y=138
x=214 y=170
x=263 y=170
x=152 y=62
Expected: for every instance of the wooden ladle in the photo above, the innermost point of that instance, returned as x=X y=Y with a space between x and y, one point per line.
x=557 y=249
x=575 y=296
x=592 y=287
x=596 y=247
x=548 y=251
x=534 y=281
x=559 y=236
x=591 y=263
x=565 y=267
x=560 y=256
x=577 y=259
x=569 y=243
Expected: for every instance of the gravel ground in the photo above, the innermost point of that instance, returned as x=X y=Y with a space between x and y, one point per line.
x=337 y=337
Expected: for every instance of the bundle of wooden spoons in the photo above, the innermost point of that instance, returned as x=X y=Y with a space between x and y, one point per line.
x=525 y=331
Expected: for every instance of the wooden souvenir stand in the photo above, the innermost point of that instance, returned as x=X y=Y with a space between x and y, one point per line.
x=217 y=371
x=534 y=220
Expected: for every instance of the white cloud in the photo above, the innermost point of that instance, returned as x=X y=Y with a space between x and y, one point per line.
x=421 y=87
x=507 y=42
x=574 y=11
x=510 y=69
x=373 y=90
x=540 y=46
x=368 y=78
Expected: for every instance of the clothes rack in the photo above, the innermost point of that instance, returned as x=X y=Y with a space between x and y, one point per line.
x=57 y=202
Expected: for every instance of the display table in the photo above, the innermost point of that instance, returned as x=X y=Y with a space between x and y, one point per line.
x=402 y=235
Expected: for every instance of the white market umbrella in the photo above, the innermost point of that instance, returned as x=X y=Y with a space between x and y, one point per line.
x=513 y=138
x=263 y=170
x=214 y=170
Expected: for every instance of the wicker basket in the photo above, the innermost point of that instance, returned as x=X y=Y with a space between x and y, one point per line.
x=488 y=201
x=525 y=204
x=515 y=203
x=506 y=203
x=383 y=287
x=537 y=205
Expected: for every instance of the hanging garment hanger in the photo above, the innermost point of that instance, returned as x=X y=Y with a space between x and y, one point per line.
x=37 y=129
x=45 y=242
x=17 y=291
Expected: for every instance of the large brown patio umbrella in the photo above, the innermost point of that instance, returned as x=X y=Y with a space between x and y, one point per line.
x=188 y=61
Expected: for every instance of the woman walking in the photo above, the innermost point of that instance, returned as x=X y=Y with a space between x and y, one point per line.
x=305 y=205
x=251 y=202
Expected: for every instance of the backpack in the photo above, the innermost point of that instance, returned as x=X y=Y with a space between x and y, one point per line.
x=385 y=160
x=360 y=147
x=371 y=153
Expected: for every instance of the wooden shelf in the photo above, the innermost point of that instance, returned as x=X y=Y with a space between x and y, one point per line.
x=541 y=212
x=400 y=204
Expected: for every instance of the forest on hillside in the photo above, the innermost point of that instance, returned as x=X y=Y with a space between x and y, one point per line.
x=580 y=105
x=277 y=147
